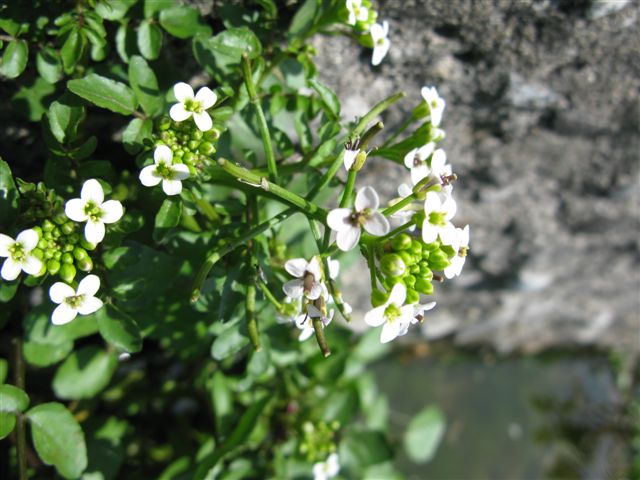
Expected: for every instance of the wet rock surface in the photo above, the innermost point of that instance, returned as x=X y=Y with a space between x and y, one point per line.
x=542 y=122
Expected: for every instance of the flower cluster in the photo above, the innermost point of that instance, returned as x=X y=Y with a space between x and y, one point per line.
x=318 y=446
x=362 y=17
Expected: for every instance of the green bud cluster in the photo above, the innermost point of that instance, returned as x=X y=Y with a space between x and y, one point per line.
x=410 y=261
x=62 y=249
x=189 y=145
x=37 y=201
x=317 y=440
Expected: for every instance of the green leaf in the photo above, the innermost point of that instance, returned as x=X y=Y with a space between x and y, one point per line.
x=144 y=84
x=58 y=439
x=72 y=50
x=8 y=194
x=149 y=40
x=397 y=151
x=260 y=361
x=44 y=354
x=340 y=405
x=151 y=7
x=328 y=97
x=230 y=342
x=13 y=399
x=14 y=59
x=361 y=449
x=424 y=433
x=84 y=150
x=134 y=135
x=169 y=214
x=234 y=42
x=84 y=373
x=125 y=42
x=105 y=93
x=222 y=401
x=119 y=329
x=64 y=119
x=183 y=22
x=303 y=19
x=30 y=100
x=7 y=424
x=49 y=64
x=113 y=9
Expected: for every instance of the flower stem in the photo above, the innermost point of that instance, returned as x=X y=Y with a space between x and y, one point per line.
x=371 y=263
x=269 y=294
x=216 y=255
x=262 y=121
x=398 y=206
x=348 y=189
x=394 y=232
x=241 y=173
x=318 y=328
x=21 y=434
x=250 y=299
x=375 y=111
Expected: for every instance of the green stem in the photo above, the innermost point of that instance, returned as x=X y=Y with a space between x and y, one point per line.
x=318 y=328
x=269 y=294
x=21 y=434
x=369 y=134
x=394 y=232
x=250 y=300
x=371 y=263
x=310 y=208
x=262 y=121
x=348 y=189
x=398 y=206
x=216 y=255
x=375 y=111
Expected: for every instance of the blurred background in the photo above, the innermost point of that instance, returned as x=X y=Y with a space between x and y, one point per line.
x=533 y=352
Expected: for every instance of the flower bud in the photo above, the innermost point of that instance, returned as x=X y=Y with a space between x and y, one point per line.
x=196 y=135
x=67 y=258
x=73 y=238
x=412 y=296
x=358 y=163
x=392 y=265
x=164 y=123
x=38 y=253
x=47 y=226
x=414 y=269
x=206 y=148
x=378 y=297
x=188 y=157
x=409 y=280
x=86 y=264
x=68 y=228
x=53 y=266
x=38 y=230
x=416 y=247
x=407 y=258
x=84 y=243
x=438 y=260
x=48 y=253
x=193 y=145
x=424 y=286
x=79 y=253
x=401 y=242
x=67 y=247
x=67 y=272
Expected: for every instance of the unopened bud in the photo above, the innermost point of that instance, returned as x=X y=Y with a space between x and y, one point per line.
x=392 y=265
x=378 y=298
x=424 y=286
x=67 y=272
x=401 y=242
x=412 y=296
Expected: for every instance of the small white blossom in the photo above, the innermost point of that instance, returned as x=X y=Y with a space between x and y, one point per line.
x=461 y=245
x=308 y=280
x=18 y=254
x=439 y=209
x=381 y=43
x=327 y=469
x=357 y=13
x=165 y=171
x=418 y=161
x=350 y=157
x=347 y=222
x=193 y=106
x=418 y=314
x=435 y=103
x=305 y=323
x=393 y=315
x=92 y=208
x=73 y=302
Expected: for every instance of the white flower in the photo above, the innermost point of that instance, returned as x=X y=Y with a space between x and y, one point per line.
x=18 y=253
x=381 y=43
x=347 y=222
x=193 y=106
x=308 y=280
x=73 y=302
x=418 y=315
x=92 y=208
x=416 y=160
x=393 y=315
x=439 y=210
x=461 y=245
x=327 y=469
x=304 y=322
x=357 y=13
x=164 y=170
x=350 y=157
x=435 y=103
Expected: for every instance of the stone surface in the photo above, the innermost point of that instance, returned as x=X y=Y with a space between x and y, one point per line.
x=543 y=122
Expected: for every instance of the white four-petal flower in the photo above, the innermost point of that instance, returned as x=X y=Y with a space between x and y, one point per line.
x=416 y=160
x=461 y=245
x=308 y=280
x=357 y=13
x=435 y=103
x=439 y=209
x=73 y=302
x=165 y=171
x=381 y=43
x=305 y=323
x=347 y=222
x=92 y=208
x=393 y=315
x=327 y=469
x=18 y=253
x=190 y=105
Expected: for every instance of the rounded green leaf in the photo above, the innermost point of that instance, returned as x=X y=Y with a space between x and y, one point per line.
x=72 y=50
x=58 y=439
x=119 y=329
x=8 y=194
x=361 y=449
x=7 y=423
x=14 y=59
x=49 y=64
x=12 y=399
x=64 y=119
x=169 y=214
x=182 y=22
x=135 y=133
x=145 y=85
x=84 y=373
x=149 y=40
x=105 y=93
x=230 y=342
x=424 y=433
x=45 y=354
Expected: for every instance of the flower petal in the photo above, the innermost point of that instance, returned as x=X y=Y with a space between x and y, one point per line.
x=89 y=285
x=28 y=238
x=333 y=465
x=183 y=92
x=349 y=157
x=398 y=294
x=390 y=331
x=74 y=209
x=111 y=211
x=296 y=267
x=162 y=154
x=419 y=172
x=410 y=157
x=5 y=242
x=314 y=268
x=94 y=231
x=432 y=203
x=206 y=97
x=404 y=190
x=92 y=190
x=32 y=265
x=203 y=121
x=89 y=305
x=172 y=187
x=306 y=333
x=380 y=51
x=178 y=113
x=10 y=269
x=59 y=291
x=438 y=161
x=429 y=232
x=63 y=314
x=447 y=234
x=338 y=219
x=148 y=177
x=375 y=317
x=315 y=291
x=180 y=171
x=376 y=224
x=426 y=150
x=367 y=198
x=293 y=288
x=334 y=268
x=377 y=32
x=347 y=239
